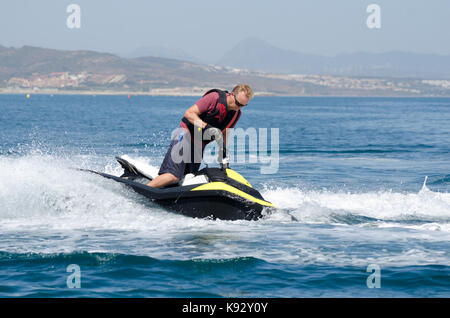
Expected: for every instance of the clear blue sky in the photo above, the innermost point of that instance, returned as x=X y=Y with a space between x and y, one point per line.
x=207 y=29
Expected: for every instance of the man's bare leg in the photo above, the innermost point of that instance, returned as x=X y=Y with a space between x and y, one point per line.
x=162 y=180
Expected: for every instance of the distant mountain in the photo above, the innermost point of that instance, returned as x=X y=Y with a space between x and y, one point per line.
x=161 y=51
x=256 y=54
x=2 y=48
x=28 y=60
x=392 y=64
x=40 y=68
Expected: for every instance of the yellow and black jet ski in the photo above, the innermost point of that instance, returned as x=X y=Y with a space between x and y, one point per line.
x=217 y=193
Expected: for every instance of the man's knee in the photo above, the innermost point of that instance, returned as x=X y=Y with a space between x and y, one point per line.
x=163 y=180
x=171 y=177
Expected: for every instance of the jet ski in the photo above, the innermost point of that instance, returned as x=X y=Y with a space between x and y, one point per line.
x=216 y=193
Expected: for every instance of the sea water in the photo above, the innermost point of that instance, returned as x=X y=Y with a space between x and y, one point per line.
x=355 y=217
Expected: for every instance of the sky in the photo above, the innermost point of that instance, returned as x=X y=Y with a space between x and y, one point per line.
x=208 y=29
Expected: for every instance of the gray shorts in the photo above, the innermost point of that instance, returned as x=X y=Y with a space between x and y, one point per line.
x=182 y=165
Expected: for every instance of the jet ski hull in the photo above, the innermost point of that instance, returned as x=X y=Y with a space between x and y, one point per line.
x=213 y=200
x=214 y=207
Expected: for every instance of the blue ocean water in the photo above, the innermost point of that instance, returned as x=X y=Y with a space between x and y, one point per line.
x=349 y=185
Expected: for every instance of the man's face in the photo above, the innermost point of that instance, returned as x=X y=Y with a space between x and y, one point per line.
x=239 y=100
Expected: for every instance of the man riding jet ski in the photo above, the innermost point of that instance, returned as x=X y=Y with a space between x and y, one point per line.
x=179 y=185
x=212 y=115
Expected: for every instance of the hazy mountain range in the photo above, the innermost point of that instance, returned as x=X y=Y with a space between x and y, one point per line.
x=267 y=69
x=41 y=68
x=257 y=54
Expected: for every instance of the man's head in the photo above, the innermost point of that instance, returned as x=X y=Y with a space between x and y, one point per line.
x=240 y=96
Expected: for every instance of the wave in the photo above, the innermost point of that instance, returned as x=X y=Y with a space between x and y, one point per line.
x=119 y=259
x=122 y=275
x=37 y=185
x=345 y=151
x=368 y=149
x=47 y=207
x=439 y=180
x=115 y=275
x=375 y=208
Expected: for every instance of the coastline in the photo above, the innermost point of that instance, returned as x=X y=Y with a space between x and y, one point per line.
x=191 y=91
x=176 y=91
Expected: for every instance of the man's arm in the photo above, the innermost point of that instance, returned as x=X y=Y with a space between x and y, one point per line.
x=192 y=114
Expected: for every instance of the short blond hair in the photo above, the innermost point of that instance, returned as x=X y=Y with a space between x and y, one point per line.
x=243 y=88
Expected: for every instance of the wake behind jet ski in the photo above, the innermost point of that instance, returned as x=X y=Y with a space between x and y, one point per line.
x=217 y=193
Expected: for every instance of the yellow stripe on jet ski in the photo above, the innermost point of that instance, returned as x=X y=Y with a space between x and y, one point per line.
x=236 y=176
x=226 y=187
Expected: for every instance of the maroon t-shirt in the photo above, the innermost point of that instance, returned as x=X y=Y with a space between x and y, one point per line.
x=207 y=104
